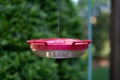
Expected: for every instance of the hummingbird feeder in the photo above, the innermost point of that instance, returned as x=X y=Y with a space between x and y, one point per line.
x=58 y=47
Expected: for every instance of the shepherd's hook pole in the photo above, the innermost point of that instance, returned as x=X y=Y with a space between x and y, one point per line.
x=89 y=37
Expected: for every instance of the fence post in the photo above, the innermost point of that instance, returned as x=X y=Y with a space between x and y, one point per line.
x=115 y=41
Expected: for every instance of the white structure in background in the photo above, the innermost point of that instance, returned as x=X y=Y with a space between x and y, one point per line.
x=75 y=1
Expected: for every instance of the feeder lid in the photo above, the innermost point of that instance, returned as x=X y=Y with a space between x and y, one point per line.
x=59 y=44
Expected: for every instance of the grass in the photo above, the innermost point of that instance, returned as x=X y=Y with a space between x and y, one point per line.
x=101 y=73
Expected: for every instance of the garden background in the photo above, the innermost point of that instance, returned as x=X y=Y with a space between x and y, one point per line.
x=21 y=20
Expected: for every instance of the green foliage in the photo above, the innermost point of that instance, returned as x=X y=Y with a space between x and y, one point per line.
x=24 y=65
x=101 y=70
x=72 y=67
x=100 y=31
x=21 y=20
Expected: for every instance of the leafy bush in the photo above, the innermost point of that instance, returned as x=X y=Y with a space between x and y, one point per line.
x=100 y=29
x=26 y=66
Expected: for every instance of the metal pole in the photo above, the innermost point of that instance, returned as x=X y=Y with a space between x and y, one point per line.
x=59 y=61
x=59 y=15
x=89 y=37
x=115 y=41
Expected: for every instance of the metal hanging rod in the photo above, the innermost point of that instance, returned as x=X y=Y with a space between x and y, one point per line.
x=59 y=15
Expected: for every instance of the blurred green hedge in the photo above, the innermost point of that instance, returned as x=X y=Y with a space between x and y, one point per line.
x=21 y=20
